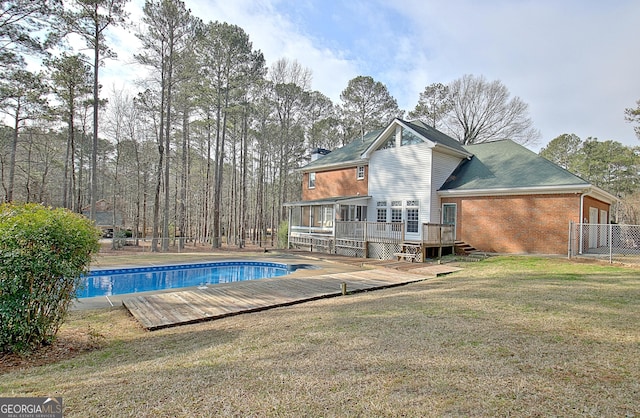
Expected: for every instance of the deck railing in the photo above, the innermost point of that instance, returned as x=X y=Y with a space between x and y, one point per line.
x=370 y=231
x=438 y=234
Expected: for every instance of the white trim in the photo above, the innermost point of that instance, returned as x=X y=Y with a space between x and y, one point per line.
x=592 y=191
x=334 y=166
x=397 y=122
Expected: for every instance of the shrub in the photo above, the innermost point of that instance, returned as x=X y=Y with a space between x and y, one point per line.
x=283 y=234
x=43 y=254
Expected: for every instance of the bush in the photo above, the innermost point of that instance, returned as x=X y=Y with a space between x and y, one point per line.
x=43 y=254
x=283 y=234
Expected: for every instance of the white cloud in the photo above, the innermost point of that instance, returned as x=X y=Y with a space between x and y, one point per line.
x=573 y=62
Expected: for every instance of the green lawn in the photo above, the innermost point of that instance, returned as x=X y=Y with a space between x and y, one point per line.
x=508 y=336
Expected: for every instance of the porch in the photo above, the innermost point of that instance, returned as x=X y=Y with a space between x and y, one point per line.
x=381 y=240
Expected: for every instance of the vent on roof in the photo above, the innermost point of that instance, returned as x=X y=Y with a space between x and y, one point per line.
x=318 y=152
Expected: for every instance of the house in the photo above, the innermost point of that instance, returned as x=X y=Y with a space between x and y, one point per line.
x=392 y=187
x=105 y=217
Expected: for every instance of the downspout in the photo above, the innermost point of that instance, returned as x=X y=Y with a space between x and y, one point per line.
x=580 y=223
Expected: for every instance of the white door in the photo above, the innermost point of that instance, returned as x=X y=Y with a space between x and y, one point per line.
x=604 y=230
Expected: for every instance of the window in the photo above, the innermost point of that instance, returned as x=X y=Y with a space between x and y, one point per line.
x=390 y=143
x=360 y=174
x=449 y=213
x=382 y=215
x=413 y=216
x=409 y=138
x=353 y=213
x=312 y=180
x=396 y=217
x=412 y=220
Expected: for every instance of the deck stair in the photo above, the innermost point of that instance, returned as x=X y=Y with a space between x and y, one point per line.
x=467 y=250
x=462 y=248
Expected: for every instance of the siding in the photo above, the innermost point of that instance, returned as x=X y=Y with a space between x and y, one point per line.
x=443 y=166
x=402 y=173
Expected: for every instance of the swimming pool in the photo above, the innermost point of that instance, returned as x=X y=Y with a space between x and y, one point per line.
x=110 y=282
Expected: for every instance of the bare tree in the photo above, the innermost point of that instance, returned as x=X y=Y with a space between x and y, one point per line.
x=290 y=97
x=72 y=84
x=484 y=111
x=22 y=98
x=90 y=19
x=168 y=35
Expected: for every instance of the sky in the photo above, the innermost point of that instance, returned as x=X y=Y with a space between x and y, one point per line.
x=576 y=63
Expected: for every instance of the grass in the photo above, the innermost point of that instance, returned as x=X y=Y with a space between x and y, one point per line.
x=508 y=336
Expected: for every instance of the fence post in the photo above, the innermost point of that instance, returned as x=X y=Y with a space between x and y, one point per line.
x=569 y=252
x=610 y=244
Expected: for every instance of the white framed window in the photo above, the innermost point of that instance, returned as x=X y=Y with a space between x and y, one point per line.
x=449 y=213
x=412 y=216
x=396 y=215
x=312 y=180
x=412 y=220
x=360 y=172
x=412 y=203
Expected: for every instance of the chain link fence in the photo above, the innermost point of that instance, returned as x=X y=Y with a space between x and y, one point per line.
x=612 y=242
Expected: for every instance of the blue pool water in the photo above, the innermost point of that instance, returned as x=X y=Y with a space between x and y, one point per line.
x=142 y=279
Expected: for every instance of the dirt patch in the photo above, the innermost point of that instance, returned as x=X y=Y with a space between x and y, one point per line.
x=69 y=343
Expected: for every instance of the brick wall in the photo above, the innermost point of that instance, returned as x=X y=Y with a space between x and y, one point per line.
x=537 y=224
x=342 y=182
x=590 y=202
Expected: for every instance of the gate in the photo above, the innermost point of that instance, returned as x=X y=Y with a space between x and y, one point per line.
x=605 y=241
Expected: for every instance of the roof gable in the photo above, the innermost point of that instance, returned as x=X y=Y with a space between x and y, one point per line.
x=433 y=137
x=507 y=165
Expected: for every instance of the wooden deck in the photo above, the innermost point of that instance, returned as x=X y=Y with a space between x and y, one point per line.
x=217 y=301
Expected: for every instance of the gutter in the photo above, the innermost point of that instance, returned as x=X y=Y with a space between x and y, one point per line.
x=511 y=191
x=334 y=166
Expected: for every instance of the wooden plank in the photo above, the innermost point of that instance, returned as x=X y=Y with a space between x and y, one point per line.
x=189 y=306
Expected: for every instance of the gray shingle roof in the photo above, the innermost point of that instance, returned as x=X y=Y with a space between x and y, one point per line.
x=347 y=153
x=352 y=151
x=505 y=165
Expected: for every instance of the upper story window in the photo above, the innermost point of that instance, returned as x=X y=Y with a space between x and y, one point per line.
x=390 y=143
x=360 y=172
x=312 y=180
x=409 y=138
